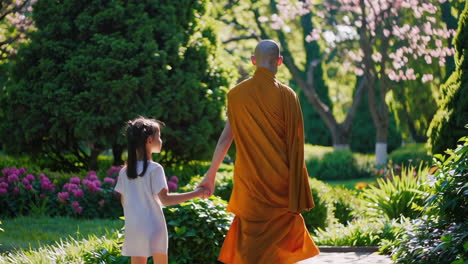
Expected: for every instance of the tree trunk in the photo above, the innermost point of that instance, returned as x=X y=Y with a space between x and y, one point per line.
x=414 y=133
x=380 y=117
x=341 y=137
x=93 y=159
x=117 y=151
x=95 y=149
x=381 y=141
x=376 y=99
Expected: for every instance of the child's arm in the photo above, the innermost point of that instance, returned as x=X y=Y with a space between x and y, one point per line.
x=177 y=198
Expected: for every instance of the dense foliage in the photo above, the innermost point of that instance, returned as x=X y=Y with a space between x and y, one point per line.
x=197 y=230
x=410 y=154
x=439 y=236
x=398 y=195
x=449 y=122
x=92 y=65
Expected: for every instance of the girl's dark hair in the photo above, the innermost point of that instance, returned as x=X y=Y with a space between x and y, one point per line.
x=138 y=130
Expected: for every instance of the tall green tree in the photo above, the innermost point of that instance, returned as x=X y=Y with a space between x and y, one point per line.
x=91 y=65
x=449 y=123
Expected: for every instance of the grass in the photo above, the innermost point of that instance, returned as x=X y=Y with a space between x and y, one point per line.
x=350 y=184
x=30 y=233
x=315 y=151
x=70 y=251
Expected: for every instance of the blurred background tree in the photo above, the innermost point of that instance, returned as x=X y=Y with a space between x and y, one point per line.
x=15 y=23
x=379 y=40
x=449 y=123
x=92 y=65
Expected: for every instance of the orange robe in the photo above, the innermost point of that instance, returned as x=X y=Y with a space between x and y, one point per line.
x=271 y=184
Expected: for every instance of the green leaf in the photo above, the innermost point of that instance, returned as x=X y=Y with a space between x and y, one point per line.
x=180 y=230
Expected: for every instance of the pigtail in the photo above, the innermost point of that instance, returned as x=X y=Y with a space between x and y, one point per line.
x=147 y=132
x=132 y=150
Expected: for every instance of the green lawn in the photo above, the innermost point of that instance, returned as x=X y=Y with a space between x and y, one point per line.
x=350 y=184
x=24 y=233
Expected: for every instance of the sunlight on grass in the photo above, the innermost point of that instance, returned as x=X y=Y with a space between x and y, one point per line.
x=24 y=233
x=63 y=251
x=351 y=184
x=315 y=151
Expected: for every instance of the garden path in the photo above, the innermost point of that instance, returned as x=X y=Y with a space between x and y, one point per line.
x=348 y=258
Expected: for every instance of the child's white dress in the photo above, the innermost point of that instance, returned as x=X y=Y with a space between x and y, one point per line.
x=145 y=225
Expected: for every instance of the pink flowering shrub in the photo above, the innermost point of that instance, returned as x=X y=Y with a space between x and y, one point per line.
x=172 y=183
x=23 y=194
x=20 y=192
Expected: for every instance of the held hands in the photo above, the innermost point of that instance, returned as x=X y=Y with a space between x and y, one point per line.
x=208 y=182
x=203 y=192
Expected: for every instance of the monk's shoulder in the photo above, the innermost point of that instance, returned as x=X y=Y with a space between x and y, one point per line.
x=240 y=87
x=287 y=91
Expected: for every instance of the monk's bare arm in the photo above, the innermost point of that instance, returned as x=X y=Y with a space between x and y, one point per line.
x=224 y=142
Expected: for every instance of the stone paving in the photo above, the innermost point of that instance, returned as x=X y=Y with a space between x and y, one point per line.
x=348 y=258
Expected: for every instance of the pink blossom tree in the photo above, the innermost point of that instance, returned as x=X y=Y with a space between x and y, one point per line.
x=15 y=22
x=308 y=75
x=377 y=39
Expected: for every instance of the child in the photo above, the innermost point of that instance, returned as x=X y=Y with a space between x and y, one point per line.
x=143 y=188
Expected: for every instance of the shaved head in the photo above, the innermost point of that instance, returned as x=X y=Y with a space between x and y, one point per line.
x=267 y=54
x=267 y=51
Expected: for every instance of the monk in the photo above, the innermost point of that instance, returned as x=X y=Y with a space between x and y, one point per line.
x=271 y=184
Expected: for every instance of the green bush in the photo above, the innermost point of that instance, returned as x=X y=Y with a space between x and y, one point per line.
x=336 y=165
x=197 y=230
x=450 y=200
x=313 y=164
x=8 y=161
x=440 y=235
x=321 y=215
x=361 y=232
x=448 y=124
x=38 y=165
x=224 y=182
x=428 y=241
x=410 y=154
x=397 y=196
x=345 y=203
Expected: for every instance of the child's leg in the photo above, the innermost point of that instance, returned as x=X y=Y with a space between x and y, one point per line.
x=139 y=260
x=160 y=258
